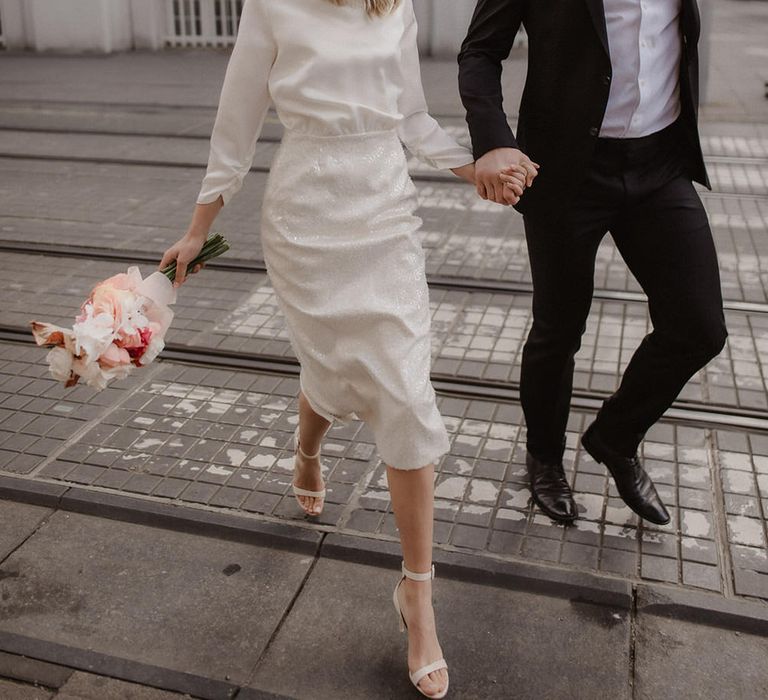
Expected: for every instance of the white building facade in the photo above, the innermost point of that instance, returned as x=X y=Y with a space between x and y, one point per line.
x=105 y=26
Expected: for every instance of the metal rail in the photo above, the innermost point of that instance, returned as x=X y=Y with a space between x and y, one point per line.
x=229 y=264
x=714 y=159
x=682 y=412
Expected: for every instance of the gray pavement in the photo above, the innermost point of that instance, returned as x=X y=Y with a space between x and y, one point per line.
x=220 y=439
x=139 y=523
x=476 y=335
x=146 y=611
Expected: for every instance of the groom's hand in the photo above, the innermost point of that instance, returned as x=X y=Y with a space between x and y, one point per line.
x=488 y=171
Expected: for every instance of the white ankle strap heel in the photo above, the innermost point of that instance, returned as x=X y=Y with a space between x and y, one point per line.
x=420 y=673
x=299 y=491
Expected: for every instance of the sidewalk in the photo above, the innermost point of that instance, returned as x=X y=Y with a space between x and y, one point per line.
x=308 y=616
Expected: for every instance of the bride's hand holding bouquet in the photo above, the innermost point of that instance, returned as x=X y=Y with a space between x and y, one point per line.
x=123 y=322
x=182 y=255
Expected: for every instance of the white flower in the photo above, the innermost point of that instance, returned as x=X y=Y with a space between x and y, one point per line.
x=94 y=334
x=154 y=348
x=60 y=364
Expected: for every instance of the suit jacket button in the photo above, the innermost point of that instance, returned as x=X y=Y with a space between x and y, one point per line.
x=607 y=79
x=594 y=131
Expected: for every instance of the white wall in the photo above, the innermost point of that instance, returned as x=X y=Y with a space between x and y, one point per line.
x=68 y=25
x=14 y=29
x=117 y=25
x=149 y=23
x=450 y=20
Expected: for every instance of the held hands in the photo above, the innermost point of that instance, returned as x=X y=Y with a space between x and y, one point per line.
x=465 y=172
x=503 y=174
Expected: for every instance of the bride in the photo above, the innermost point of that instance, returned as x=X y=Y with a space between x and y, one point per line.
x=339 y=237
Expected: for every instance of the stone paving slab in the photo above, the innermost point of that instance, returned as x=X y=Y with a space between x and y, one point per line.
x=593 y=651
x=184 y=78
x=146 y=208
x=54 y=591
x=87 y=686
x=738 y=177
x=119 y=119
x=669 y=655
x=17 y=522
x=475 y=335
x=10 y=690
x=719 y=139
x=222 y=439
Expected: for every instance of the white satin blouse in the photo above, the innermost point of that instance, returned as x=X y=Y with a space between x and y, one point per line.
x=329 y=70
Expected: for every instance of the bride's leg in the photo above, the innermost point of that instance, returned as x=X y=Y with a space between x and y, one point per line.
x=412 y=493
x=312 y=427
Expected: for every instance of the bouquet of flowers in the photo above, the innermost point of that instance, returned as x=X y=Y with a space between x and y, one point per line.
x=121 y=325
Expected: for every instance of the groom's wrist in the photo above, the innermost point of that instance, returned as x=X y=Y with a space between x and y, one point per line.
x=483 y=144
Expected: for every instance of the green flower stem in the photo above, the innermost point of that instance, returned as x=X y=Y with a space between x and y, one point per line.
x=215 y=245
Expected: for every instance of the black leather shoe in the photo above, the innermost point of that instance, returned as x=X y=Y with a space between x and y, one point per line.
x=633 y=483
x=550 y=489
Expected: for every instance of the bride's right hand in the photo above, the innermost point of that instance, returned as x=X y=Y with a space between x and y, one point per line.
x=184 y=251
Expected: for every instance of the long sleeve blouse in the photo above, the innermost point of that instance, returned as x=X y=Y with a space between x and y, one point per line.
x=329 y=70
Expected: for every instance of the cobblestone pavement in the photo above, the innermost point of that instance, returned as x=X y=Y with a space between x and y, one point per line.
x=220 y=438
x=90 y=158
x=475 y=335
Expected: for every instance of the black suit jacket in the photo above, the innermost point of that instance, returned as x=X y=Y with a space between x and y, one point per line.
x=566 y=90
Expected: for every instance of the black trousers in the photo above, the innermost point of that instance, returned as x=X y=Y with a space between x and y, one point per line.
x=639 y=191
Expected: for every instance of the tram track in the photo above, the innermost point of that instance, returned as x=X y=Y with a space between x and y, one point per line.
x=230 y=264
x=437 y=176
x=683 y=412
x=269 y=138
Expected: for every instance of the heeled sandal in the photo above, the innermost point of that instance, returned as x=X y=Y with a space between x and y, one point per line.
x=320 y=495
x=419 y=674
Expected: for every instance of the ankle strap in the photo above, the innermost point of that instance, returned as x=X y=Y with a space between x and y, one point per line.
x=418 y=577
x=300 y=451
x=306 y=456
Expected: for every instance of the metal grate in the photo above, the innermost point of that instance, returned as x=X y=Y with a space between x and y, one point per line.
x=202 y=22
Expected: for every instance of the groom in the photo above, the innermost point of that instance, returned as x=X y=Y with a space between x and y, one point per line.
x=609 y=113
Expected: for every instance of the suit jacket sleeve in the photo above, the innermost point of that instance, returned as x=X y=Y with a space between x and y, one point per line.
x=243 y=106
x=489 y=41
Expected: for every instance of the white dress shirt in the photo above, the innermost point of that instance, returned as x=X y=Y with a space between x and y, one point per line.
x=645 y=46
x=329 y=70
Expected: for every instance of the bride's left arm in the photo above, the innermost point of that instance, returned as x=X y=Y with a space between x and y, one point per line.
x=419 y=131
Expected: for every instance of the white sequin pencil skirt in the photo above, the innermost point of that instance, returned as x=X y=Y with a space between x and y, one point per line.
x=339 y=240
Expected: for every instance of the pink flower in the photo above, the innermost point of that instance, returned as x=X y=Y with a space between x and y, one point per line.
x=120 y=325
x=114 y=356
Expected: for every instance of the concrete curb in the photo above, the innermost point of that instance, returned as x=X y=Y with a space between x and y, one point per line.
x=703 y=608
x=190 y=520
x=562 y=583
x=114 y=667
x=35 y=493
x=27 y=670
x=166 y=515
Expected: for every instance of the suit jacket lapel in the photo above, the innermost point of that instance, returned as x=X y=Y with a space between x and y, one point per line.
x=597 y=10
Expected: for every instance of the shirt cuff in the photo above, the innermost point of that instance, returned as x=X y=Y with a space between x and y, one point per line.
x=208 y=194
